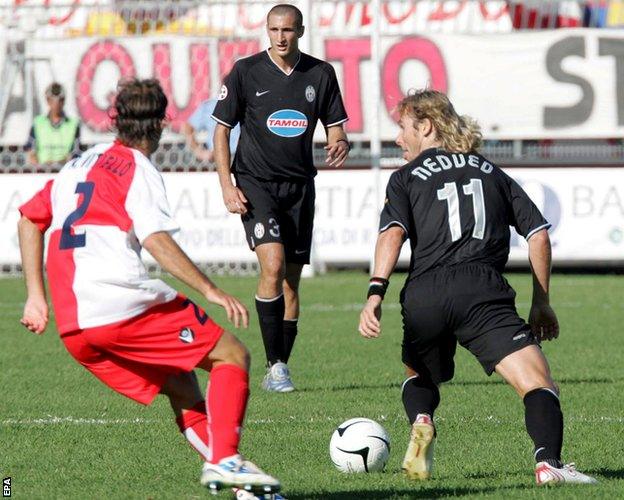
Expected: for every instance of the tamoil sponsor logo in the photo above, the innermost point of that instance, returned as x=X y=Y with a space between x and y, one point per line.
x=287 y=123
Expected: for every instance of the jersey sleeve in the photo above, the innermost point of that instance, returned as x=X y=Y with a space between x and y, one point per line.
x=147 y=204
x=229 y=106
x=396 y=210
x=333 y=111
x=525 y=216
x=38 y=209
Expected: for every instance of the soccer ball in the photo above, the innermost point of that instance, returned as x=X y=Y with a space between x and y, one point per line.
x=359 y=445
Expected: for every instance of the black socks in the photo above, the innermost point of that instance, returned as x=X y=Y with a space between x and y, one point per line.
x=544 y=423
x=420 y=395
x=271 y=316
x=290 y=332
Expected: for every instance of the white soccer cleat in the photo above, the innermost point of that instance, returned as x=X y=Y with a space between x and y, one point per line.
x=547 y=474
x=418 y=461
x=277 y=379
x=236 y=472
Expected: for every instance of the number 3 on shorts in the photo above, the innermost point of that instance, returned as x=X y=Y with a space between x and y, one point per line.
x=69 y=240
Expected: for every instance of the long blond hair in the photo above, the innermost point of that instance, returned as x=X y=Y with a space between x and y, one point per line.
x=457 y=134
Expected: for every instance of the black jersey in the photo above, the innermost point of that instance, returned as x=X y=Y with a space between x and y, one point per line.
x=278 y=113
x=457 y=208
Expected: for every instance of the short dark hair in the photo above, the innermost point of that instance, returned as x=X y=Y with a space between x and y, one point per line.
x=286 y=8
x=139 y=110
x=56 y=90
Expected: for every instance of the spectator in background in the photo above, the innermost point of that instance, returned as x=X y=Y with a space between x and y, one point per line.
x=54 y=137
x=201 y=121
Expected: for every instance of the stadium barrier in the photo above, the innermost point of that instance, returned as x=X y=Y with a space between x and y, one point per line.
x=585 y=207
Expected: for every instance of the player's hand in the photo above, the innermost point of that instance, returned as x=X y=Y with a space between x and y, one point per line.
x=543 y=322
x=236 y=312
x=337 y=153
x=370 y=326
x=234 y=200
x=35 y=316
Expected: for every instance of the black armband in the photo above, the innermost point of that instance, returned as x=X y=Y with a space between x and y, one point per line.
x=377 y=286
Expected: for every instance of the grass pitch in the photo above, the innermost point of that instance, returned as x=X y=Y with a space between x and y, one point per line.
x=65 y=435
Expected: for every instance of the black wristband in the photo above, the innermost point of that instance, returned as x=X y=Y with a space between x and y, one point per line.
x=377 y=286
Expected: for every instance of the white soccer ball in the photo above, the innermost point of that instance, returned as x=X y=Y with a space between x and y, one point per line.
x=359 y=445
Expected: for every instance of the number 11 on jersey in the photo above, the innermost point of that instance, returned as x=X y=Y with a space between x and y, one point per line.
x=449 y=193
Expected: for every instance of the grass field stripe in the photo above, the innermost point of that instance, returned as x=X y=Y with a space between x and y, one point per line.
x=76 y=421
x=140 y=421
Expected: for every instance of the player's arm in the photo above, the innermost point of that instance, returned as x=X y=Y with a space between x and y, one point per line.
x=172 y=259
x=233 y=197
x=542 y=318
x=337 y=146
x=387 y=250
x=35 y=316
x=530 y=223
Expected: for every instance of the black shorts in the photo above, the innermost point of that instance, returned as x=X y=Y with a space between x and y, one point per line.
x=469 y=303
x=279 y=212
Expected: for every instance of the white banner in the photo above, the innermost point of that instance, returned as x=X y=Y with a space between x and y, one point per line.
x=551 y=84
x=584 y=205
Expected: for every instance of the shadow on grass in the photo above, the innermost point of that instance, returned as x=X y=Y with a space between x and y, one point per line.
x=411 y=493
x=561 y=381
x=607 y=473
x=485 y=382
x=351 y=387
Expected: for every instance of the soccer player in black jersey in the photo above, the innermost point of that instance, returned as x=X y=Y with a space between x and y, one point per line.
x=278 y=96
x=456 y=208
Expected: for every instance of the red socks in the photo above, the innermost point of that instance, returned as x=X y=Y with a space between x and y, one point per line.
x=228 y=391
x=193 y=424
x=227 y=394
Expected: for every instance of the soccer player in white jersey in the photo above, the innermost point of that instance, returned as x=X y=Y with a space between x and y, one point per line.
x=137 y=335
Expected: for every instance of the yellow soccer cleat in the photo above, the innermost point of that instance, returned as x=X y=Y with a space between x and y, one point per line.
x=418 y=461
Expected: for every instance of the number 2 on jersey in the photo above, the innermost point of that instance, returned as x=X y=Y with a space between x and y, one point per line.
x=69 y=240
x=449 y=193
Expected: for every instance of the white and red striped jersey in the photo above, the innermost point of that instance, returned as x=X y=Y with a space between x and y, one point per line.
x=99 y=209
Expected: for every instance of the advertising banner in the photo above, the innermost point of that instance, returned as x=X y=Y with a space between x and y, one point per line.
x=551 y=84
x=584 y=206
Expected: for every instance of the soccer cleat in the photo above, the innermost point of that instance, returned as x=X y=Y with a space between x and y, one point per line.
x=547 y=474
x=418 y=461
x=236 y=472
x=246 y=495
x=277 y=378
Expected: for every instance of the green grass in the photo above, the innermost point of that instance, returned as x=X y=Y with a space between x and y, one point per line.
x=64 y=435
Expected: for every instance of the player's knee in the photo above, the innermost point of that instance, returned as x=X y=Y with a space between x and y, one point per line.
x=237 y=354
x=539 y=381
x=273 y=269
x=290 y=293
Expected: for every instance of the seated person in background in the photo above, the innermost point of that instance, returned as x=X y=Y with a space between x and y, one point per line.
x=201 y=121
x=54 y=137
